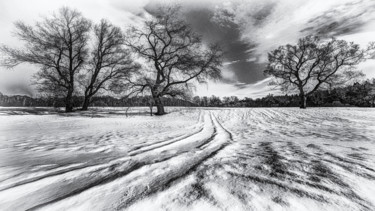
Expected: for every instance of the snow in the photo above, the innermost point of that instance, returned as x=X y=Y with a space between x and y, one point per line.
x=190 y=159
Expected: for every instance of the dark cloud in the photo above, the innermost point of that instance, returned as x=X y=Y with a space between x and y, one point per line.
x=248 y=72
x=240 y=85
x=261 y=15
x=228 y=35
x=347 y=19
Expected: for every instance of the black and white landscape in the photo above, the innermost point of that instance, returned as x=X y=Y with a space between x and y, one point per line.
x=190 y=159
x=187 y=105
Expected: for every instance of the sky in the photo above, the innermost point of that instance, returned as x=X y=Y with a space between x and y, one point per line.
x=246 y=29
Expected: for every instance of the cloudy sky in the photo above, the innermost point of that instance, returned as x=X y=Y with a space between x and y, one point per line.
x=247 y=30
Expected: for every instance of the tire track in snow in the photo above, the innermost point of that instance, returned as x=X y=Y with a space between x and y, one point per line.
x=88 y=179
x=138 y=180
x=54 y=172
x=64 y=170
x=223 y=128
x=162 y=143
x=195 y=170
x=138 y=148
x=221 y=139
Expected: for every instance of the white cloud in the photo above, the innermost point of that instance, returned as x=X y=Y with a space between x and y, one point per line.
x=252 y=59
x=257 y=90
x=270 y=23
x=231 y=62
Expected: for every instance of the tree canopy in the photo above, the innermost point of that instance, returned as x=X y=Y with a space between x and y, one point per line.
x=175 y=56
x=314 y=63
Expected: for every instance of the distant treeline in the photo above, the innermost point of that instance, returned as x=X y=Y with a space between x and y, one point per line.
x=358 y=94
x=98 y=101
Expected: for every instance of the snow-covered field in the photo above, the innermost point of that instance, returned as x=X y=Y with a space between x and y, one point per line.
x=190 y=159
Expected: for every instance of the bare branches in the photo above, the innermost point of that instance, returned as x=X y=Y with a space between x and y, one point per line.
x=110 y=61
x=312 y=63
x=58 y=45
x=175 y=51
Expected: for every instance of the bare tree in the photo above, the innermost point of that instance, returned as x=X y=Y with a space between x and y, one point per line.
x=314 y=64
x=58 y=45
x=175 y=54
x=110 y=61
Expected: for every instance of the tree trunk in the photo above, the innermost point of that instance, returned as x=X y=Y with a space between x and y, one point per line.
x=150 y=110
x=303 y=99
x=159 y=105
x=69 y=101
x=86 y=103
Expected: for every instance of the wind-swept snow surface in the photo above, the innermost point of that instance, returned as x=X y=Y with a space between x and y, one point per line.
x=190 y=159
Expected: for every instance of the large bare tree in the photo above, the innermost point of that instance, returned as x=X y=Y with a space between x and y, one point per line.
x=314 y=63
x=110 y=61
x=175 y=56
x=58 y=45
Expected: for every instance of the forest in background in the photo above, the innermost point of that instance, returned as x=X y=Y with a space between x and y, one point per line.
x=359 y=94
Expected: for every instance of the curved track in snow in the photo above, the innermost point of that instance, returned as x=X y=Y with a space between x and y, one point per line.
x=175 y=157
x=192 y=159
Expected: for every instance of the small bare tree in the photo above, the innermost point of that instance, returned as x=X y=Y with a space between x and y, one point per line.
x=314 y=64
x=110 y=61
x=58 y=45
x=175 y=54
